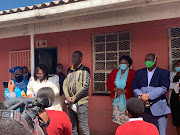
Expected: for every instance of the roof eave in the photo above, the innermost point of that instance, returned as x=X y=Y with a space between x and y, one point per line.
x=72 y=10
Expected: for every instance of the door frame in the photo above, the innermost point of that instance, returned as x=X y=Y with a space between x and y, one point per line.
x=44 y=49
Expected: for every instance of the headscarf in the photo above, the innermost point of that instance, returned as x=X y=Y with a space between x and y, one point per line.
x=14 y=69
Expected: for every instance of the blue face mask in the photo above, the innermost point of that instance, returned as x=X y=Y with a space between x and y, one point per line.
x=123 y=66
x=177 y=69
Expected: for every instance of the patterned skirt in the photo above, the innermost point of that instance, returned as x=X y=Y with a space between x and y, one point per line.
x=119 y=116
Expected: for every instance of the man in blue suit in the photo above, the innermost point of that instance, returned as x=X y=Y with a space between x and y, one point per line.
x=150 y=85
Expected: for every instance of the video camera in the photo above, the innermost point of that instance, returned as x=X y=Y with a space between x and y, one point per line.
x=28 y=108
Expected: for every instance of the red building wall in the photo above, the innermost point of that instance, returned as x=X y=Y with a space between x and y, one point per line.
x=146 y=37
x=7 y=45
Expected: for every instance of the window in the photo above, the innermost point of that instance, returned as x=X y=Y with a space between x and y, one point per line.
x=19 y=58
x=174 y=46
x=107 y=48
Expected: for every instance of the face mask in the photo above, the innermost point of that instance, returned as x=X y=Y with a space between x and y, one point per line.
x=59 y=69
x=177 y=69
x=25 y=74
x=18 y=78
x=39 y=76
x=149 y=64
x=123 y=66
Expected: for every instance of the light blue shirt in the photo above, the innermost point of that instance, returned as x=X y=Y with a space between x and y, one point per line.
x=150 y=75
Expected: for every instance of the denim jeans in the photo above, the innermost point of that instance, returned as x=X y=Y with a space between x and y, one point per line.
x=80 y=117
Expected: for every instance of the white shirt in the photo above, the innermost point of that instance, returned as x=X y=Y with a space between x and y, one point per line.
x=135 y=119
x=52 y=82
x=174 y=86
x=150 y=74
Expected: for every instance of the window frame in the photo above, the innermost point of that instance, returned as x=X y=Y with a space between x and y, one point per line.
x=171 y=59
x=106 y=91
x=19 y=58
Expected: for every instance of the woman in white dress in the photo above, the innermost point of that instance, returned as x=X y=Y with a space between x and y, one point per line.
x=41 y=79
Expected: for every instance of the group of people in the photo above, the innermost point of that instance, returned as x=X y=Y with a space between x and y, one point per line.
x=148 y=85
x=74 y=88
x=136 y=95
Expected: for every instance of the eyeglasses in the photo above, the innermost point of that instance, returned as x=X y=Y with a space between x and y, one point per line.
x=18 y=74
x=39 y=74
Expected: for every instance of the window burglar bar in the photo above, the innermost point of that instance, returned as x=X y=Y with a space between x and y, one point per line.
x=174 y=46
x=19 y=58
x=107 y=48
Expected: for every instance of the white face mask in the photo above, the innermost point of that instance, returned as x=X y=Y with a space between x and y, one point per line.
x=25 y=74
x=59 y=69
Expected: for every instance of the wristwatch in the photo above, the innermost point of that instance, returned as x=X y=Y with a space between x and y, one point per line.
x=45 y=124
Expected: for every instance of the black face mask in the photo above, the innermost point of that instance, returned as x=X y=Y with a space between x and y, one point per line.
x=19 y=78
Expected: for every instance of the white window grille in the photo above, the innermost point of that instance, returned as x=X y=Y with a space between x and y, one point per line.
x=107 y=48
x=174 y=46
x=20 y=58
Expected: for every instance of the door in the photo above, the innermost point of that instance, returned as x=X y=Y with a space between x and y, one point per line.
x=48 y=57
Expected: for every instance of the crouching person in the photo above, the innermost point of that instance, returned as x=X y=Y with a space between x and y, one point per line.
x=59 y=121
x=136 y=125
x=12 y=123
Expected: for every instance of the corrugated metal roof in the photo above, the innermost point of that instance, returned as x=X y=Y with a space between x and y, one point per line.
x=38 y=6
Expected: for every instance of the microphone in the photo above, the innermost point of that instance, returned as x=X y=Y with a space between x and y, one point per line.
x=42 y=102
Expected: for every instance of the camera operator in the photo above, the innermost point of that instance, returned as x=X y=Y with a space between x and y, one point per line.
x=60 y=123
x=42 y=114
x=44 y=117
x=10 y=126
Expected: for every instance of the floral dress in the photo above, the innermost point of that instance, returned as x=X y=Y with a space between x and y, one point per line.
x=119 y=116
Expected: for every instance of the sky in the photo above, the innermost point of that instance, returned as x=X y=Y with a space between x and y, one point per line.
x=10 y=4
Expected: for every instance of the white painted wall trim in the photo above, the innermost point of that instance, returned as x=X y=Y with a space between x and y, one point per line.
x=111 y=18
x=32 y=55
x=31 y=31
x=86 y=7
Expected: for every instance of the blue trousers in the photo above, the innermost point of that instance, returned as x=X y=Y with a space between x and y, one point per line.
x=159 y=121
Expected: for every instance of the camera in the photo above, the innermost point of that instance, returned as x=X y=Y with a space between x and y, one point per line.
x=5 y=84
x=28 y=108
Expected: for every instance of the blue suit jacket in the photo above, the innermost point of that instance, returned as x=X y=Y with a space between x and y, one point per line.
x=157 y=88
